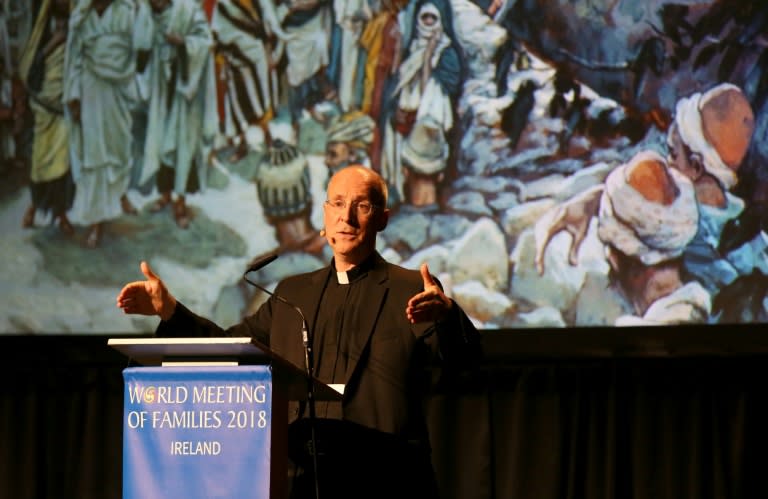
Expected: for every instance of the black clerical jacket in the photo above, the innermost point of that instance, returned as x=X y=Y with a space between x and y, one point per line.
x=388 y=359
x=381 y=450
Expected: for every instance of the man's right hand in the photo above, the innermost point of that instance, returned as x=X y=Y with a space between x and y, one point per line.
x=149 y=297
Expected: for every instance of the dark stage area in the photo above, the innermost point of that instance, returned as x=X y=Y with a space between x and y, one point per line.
x=630 y=413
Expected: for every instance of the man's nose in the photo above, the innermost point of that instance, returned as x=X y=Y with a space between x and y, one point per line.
x=348 y=213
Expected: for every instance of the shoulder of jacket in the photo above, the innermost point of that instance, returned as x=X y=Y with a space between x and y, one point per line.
x=397 y=273
x=304 y=277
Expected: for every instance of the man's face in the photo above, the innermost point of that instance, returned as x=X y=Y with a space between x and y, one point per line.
x=428 y=18
x=428 y=14
x=349 y=231
x=679 y=155
x=336 y=155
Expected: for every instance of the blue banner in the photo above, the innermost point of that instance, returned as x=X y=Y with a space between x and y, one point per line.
x=197 y=432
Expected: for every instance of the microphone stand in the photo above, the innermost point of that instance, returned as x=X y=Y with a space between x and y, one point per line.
x=309 y=364
x=309 y=367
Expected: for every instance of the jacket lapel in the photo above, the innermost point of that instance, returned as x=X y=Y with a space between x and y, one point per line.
x=311 y=305
x=375 y=291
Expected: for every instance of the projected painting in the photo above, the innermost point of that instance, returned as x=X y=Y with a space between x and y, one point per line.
x=557 y=163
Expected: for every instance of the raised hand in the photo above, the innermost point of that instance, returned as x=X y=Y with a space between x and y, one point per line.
x=429 y=305
x=572 y=216
x=149 y=297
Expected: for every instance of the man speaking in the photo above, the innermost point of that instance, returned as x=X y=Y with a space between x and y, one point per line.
x=376 y=327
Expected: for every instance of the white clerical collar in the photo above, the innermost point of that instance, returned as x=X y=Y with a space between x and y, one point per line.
x=355 y=273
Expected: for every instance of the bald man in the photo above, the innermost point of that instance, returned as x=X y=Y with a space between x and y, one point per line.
x=375 y=328
x=646 y=216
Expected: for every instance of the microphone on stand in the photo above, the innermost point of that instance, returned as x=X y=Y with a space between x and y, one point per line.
x=263 y=262
x=308 y=357
x=258 y=264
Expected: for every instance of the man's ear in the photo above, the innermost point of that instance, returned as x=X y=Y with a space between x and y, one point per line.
x=383 y=220
x=696 y=163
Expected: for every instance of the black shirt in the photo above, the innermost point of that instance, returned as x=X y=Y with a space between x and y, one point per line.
x=336 y=327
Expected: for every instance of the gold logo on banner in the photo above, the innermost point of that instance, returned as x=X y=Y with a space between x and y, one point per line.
x=150 y=395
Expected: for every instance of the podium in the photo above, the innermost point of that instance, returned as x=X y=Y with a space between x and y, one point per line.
x=208 y=417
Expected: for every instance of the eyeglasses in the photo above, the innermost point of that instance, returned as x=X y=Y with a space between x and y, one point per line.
x=362 y=208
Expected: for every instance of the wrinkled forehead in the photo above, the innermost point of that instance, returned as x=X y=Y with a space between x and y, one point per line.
x=359 y=183
x=344 y=186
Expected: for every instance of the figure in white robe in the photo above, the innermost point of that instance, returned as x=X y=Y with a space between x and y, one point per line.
x=430 y=80
x=181 y=114
x=346 y=61
x=307 y=27
x=100 y=92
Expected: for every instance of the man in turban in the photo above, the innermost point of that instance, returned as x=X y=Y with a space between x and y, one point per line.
x=707 y=142
x=647 y=214
x=350 y=136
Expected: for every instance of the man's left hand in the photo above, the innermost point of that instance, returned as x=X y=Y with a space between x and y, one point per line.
x=429 y=305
